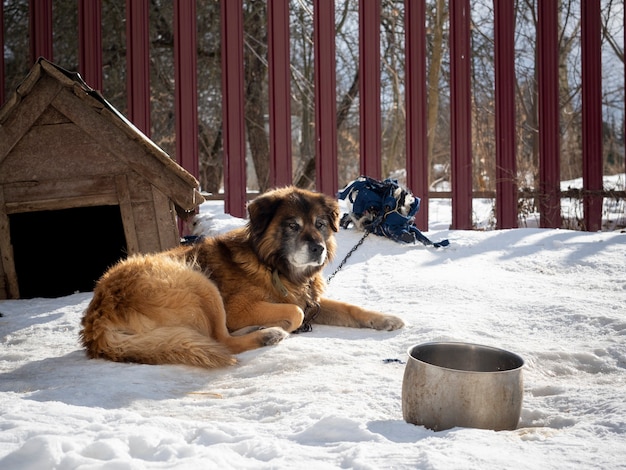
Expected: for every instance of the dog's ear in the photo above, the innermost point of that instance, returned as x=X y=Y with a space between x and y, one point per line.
x=332 y=209
x=261 y=210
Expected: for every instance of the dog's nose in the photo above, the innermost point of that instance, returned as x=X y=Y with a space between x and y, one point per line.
x=316 y=248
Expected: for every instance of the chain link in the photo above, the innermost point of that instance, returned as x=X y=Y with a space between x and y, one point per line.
x=354 y=248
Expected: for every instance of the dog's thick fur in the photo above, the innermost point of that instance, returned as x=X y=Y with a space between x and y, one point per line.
x=200 y=304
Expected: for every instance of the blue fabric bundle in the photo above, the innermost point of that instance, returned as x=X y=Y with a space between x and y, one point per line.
x=384 y=208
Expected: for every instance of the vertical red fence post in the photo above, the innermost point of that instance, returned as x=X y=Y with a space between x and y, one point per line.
x=138 y=63
x=233 y=133
x=90 y=42
x=325 y=92
x=417 y=167
x=40 y=25
x=369 y=87
x=186 y=85
x=592 y=113
x=506 y=167
x=279 y=92
x=548 y=190
x=549 y=128
x=461 y=114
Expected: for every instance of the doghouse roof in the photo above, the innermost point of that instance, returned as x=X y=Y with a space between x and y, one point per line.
x=51 y=93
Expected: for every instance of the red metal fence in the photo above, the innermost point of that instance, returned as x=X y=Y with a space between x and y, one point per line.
x=138 y=96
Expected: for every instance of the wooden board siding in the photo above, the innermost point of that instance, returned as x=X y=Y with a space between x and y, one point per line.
x=64 y=147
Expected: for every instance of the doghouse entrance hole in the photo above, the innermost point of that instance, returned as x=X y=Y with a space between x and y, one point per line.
x=60 y=252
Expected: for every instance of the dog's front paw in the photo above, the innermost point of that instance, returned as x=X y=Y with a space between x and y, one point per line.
x=272 y=335
x=387 y=323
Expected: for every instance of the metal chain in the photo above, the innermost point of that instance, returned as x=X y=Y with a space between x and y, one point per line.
x=354 y=248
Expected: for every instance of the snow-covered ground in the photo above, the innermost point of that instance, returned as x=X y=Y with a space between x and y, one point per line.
x=330 y=398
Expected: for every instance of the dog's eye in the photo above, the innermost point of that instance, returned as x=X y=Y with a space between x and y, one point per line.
x=320 y=224
x=294 y=226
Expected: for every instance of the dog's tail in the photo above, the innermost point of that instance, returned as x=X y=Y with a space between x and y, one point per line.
x=164 y=345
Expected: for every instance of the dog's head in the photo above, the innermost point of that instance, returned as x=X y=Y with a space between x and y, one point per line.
x=292 y=230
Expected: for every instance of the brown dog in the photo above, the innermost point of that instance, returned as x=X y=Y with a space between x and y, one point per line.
x=200 y=304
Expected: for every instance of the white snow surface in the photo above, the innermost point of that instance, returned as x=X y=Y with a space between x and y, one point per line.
x=331 y=398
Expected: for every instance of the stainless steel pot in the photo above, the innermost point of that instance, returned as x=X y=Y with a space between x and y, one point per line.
x=462 y=384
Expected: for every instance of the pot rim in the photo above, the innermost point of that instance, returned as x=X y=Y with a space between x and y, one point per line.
x=474 y=345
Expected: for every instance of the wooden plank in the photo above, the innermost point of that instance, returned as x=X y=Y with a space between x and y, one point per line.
x=147 y=231
x=60 y=203
x=522 y=194
x=51 y=117
x=10 y=286
x=136 y=152
x=4 y=293
x=152 y=149
x=165 y=217
x=128 y=218
x=2 y=74
x=56 y=152
x=25 y=112
x=24 y=191
x=140 y=189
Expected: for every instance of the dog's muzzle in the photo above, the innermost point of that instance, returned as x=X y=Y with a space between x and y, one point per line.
x=317 y=252
x=310 y=254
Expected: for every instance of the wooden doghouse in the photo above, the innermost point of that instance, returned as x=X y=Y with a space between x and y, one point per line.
x=80 y=187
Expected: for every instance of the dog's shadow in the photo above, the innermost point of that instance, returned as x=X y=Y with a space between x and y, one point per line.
x=345 y=333
x=74 y=379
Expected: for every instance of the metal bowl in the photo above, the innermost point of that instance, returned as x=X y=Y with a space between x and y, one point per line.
x=462 y=384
